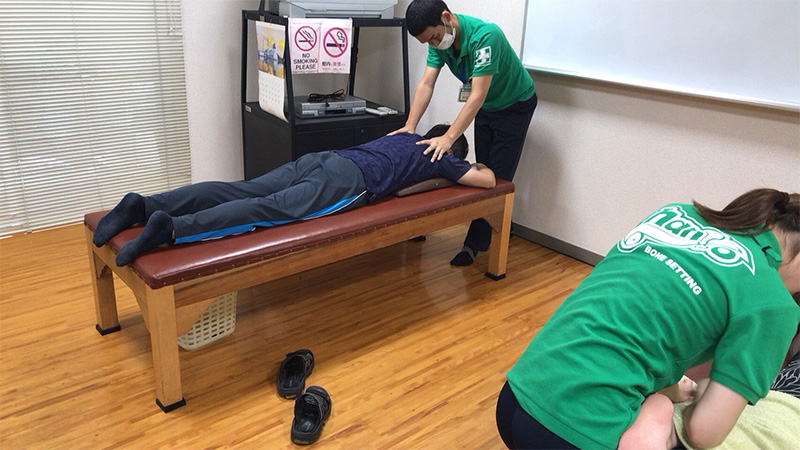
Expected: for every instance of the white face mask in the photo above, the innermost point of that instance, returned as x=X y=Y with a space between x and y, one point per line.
x=447 y=39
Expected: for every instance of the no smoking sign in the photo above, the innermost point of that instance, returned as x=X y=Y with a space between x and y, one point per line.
x=304 y=50
x=305 y=38
x=335 y=42
x=335 y=54
x=333 y=36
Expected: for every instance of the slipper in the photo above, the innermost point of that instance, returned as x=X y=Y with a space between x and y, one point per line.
x=311 y=409
x=293 y=372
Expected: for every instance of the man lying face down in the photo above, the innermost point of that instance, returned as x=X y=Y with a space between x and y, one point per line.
x=314 y=185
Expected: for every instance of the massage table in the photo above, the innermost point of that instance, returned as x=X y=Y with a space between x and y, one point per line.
x=174 y=284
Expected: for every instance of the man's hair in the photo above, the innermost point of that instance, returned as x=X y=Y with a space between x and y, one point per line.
x=460 y=147
x=422 y=14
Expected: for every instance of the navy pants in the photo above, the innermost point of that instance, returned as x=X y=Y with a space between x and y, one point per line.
x=499 y=139
x=316 y=184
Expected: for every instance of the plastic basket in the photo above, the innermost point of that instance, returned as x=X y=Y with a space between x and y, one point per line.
x=216 y=322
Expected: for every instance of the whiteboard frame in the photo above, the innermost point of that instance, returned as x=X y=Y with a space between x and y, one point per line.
x=675 y=89
x=787 y=106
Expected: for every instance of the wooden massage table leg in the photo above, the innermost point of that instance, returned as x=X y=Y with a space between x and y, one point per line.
x=105 y=301
x=158 y=306
x=164 y=343
x=498 y=248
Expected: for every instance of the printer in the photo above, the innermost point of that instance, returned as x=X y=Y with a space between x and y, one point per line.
x=383 y=9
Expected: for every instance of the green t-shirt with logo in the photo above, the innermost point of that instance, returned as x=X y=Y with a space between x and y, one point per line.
x=486 y=51
x=674 y=293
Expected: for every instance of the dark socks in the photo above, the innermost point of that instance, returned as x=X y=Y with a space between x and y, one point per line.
x=158 y=231
x=464 y=258
x=129 y=211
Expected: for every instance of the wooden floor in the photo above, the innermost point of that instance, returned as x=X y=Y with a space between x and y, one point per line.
x=412 y=351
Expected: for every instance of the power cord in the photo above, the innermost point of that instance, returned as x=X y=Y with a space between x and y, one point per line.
x=333 y=96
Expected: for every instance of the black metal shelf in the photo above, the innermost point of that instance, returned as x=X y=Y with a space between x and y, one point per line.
x=270 y=141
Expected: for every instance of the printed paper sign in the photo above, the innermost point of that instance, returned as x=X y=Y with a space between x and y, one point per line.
x=336 y=41
x=320 y=45
x=304 y=45
x=271 y=87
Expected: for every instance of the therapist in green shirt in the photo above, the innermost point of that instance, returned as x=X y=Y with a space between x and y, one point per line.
x=687 y=285
x=496 y=90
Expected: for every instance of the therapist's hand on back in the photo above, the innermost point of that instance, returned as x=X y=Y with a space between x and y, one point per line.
x=437 y=146
x=405 y=129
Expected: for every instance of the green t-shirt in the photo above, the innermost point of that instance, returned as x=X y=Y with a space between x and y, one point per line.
x=486 y=51
x=672 y=294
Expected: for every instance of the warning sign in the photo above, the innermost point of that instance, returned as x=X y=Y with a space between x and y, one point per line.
x=335 y=42
x=304 y=45
x=320 y=45
x=306 y=38
x=336 y=39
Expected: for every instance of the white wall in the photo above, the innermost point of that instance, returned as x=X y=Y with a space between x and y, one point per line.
x=597 y=159
x=212 y=35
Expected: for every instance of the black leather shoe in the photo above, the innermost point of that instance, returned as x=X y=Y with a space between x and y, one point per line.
x=311 y=409
x=293 y=372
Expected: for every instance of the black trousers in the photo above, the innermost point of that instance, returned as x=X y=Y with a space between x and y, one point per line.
x=521 y=431
x=499 y=139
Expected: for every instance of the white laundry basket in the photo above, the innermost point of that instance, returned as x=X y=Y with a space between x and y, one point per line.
x=216 y=322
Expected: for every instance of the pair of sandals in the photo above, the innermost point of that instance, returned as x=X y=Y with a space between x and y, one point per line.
x=312 y=405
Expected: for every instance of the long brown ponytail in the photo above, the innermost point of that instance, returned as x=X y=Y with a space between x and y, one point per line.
x=756 y=211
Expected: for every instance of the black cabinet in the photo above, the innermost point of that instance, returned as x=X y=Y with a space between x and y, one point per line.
x=270 y=142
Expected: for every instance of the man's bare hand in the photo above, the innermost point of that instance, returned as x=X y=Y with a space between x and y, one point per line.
x=438 y=146
x=405 y=129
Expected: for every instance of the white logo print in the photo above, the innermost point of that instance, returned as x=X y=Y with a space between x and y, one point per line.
x=671 y=226
x=483 y=57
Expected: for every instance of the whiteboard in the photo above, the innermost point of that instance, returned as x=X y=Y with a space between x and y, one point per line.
x=740 y=50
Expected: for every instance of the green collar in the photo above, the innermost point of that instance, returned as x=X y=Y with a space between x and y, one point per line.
x=463 y=30
x=769 y=245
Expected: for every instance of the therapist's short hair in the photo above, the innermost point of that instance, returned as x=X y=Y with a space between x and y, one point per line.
x=460 y=147
x=422 y=14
